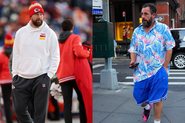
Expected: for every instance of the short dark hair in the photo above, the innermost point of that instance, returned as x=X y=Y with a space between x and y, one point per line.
x=151 y=6
x=67 y=25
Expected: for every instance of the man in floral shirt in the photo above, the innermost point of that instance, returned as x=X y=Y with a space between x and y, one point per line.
x=151 y=47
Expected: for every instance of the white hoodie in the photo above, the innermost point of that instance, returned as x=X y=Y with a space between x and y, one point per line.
x=35 y=52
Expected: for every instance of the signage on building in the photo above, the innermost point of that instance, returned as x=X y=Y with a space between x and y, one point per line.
x=97 y=8
x=124 y=30
x=160 y=18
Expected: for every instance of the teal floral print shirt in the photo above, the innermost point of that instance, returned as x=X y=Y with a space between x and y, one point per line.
x=150 y=48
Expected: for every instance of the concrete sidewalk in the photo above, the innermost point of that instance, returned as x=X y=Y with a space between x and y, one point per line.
x=118 y=106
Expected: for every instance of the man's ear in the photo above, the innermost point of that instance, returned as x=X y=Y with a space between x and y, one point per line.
x=154 y=15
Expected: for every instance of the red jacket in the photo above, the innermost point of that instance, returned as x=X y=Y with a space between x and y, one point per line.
x=5 y=76
x=84 y=82
x=90 y=58
x=68 y=50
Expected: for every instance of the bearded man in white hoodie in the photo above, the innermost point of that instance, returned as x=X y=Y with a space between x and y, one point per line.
x=35 y=61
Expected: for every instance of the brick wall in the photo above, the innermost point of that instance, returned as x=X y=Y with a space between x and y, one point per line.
x=163 y=11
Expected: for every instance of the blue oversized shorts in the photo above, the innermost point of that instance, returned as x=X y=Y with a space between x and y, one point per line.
x=153 y=89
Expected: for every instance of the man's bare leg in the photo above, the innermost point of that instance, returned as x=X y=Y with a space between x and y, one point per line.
x=158 y=110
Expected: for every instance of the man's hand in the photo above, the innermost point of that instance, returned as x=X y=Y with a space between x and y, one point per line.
x=133 y=61
x=133 y=65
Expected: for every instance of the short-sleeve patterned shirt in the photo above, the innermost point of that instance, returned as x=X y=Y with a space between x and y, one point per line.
x=150 y=48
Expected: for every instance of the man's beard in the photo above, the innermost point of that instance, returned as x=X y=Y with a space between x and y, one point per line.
x=146 y=23
x=37 y=22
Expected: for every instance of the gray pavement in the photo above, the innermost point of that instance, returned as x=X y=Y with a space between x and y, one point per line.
x=118 y=106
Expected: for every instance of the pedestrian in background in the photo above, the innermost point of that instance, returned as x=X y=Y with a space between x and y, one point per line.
x=115 y=46
x=35 y=61
x=87 y=45
x=83 y=78
x=5 y=76
x=70 y=49
x=151 y=47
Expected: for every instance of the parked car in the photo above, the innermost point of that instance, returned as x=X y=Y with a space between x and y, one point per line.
x=178 y=55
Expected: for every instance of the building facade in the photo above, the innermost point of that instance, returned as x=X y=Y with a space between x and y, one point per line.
x=181 y=11
x=125 y=14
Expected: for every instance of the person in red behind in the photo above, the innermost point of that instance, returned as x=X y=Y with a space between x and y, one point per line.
x=83 y=74
x=74 y=72
x=5 y=76
x=87 y=45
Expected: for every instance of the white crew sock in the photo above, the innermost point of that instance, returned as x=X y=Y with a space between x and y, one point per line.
x=157 y=121
x=147 y=107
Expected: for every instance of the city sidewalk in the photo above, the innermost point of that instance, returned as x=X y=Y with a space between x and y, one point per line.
x=118 y=106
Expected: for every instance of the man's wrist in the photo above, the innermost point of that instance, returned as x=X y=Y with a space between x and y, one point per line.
x=165 y=66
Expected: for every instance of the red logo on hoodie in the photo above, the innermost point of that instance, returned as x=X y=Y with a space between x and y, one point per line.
x=42 y=36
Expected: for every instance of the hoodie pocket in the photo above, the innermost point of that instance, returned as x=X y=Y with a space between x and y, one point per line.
x=29 y=66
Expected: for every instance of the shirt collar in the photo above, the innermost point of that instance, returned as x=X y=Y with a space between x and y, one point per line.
x=35 y=29
x=141 y=26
